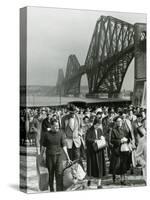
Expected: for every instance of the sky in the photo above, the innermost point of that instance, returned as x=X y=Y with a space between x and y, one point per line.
x=54 y=34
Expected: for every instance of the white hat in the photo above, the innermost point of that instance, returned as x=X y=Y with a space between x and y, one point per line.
x=99 y=110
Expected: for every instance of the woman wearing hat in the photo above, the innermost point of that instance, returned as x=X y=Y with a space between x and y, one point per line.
x=119 y=163
x=95 y=159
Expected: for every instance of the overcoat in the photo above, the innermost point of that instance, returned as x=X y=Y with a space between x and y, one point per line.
x=115 y=161
x=96 y=166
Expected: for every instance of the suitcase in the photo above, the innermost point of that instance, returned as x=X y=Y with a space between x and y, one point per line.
x=43 y=175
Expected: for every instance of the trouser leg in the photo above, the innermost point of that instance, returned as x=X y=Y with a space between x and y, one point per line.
x=59 y=173
x=42 y=138
x=76 y=154
x=70 y=154
x=108 y=152
x=115 y=168
x=82 y=152
x=51 y=168
x=114 y=172
x=144 y=173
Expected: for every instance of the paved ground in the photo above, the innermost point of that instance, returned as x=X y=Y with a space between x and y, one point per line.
x=29 y=176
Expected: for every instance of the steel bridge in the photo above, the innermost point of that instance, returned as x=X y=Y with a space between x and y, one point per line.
x=110 y=53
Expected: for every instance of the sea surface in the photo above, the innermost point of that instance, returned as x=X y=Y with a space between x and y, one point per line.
x=53 y=100
x=35 y=101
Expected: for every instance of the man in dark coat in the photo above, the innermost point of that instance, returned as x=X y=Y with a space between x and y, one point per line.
x=108 y=124
x=46 y=126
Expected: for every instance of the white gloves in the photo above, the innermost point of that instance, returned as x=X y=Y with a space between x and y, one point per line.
x=124 y=140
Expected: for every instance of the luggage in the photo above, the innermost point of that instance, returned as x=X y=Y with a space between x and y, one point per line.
x=43 y=175
x=72 y=174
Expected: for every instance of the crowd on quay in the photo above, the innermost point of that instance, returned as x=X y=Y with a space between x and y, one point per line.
x=76 y=131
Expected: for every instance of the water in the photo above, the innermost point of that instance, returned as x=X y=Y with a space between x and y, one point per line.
x=55 y=100
x=33 y=100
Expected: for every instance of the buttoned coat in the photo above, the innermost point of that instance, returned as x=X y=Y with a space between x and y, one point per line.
x=96 y=166
x=72 y=135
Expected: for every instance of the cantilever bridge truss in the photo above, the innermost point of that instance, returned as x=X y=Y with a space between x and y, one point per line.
x=109 y=55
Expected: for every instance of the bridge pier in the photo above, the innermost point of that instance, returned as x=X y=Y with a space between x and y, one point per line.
x=97 y=95
x=140 y=64
x=103 y=95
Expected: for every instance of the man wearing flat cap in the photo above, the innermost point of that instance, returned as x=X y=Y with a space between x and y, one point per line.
x=71 y=126
x=108 y=124
x=137 y=123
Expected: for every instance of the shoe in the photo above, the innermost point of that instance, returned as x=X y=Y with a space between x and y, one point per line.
x=88 y=183
x=131 y=172
x=123 y=183
x=114 y=180
x=99 y=187
x=51 y=189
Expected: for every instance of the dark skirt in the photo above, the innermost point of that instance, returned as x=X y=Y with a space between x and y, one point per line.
x=114 y=167
x=124 y=162
x=96 y=166
x=119 y=163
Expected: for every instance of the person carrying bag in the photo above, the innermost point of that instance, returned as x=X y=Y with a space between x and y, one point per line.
x=95 y=142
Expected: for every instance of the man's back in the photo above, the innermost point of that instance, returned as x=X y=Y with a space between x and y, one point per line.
x=71 y=128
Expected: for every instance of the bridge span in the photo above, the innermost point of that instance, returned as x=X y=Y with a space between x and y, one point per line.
x=113 y=46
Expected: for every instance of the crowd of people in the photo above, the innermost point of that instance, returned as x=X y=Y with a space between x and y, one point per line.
x=77 y=131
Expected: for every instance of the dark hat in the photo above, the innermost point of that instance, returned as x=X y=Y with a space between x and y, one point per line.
x=72 y=108
x=86 y=117
x=99 y=113
x=97 y=121
x=115 y=118
x=53 y=121
x=138 y=115
x=125 y=110
x=130 y=109
x=111 y=110
x=142 y=109
x=48 y=113
x=120 y=112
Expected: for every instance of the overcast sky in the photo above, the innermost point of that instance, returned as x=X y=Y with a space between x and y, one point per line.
x=54 y=34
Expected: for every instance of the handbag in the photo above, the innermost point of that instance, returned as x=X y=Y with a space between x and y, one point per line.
x=99 y=144
x=131 y=146
x=124 y=147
